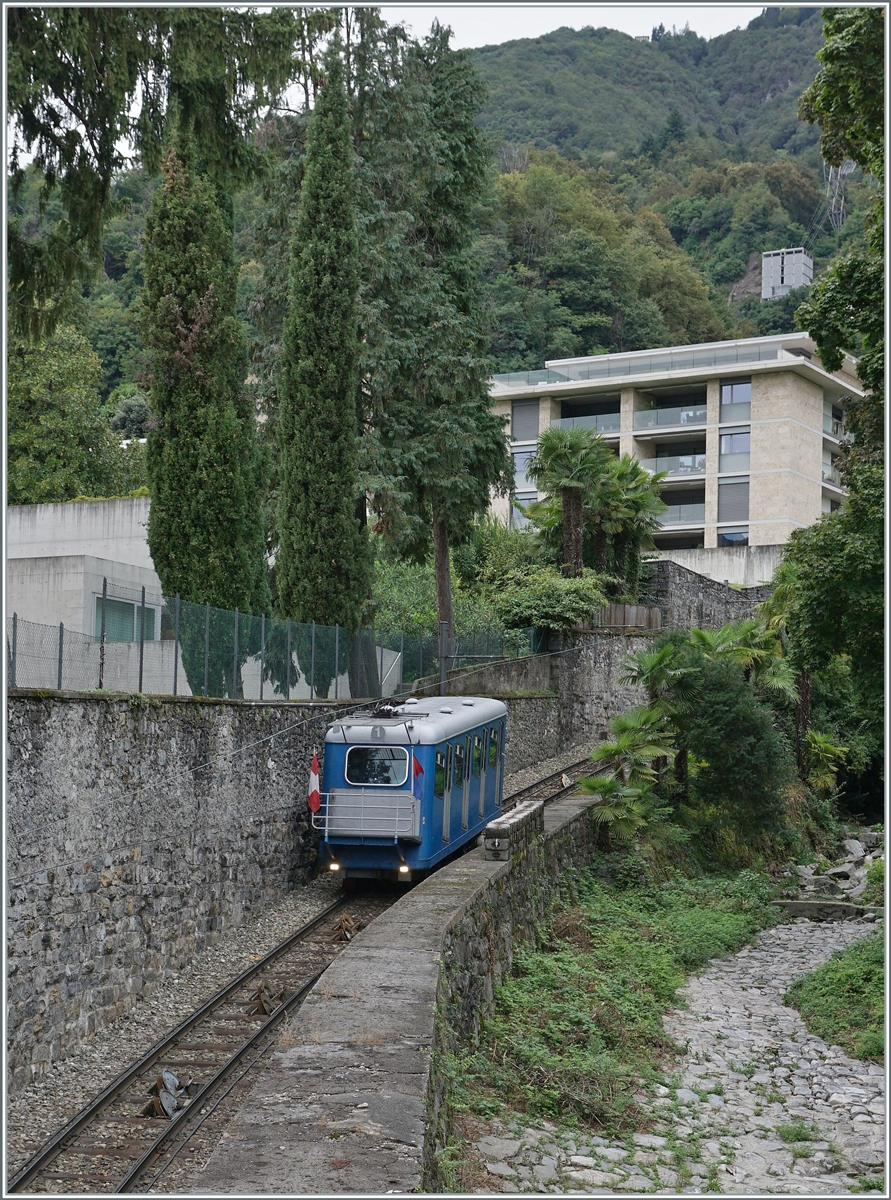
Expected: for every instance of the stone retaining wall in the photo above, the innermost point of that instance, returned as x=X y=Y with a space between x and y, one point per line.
x=135 y=834
x=689 y=600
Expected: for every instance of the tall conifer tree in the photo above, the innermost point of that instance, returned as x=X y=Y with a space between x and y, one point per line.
x=205 y=529
x=323 y=561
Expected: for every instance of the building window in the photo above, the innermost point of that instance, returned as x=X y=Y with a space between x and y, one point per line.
x=736 y=400
x=524 y=421
x=518 y=519
x=521 y=461
x=733 y=500
x=737 y=536
x=735 y=446
x=122 y=621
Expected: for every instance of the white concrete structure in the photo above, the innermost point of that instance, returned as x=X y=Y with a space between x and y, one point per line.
x=58 y=554
x=783 y=270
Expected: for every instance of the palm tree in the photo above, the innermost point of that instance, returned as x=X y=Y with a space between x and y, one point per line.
x=633 y=518
x=626 y=796
x=570 y=463
x=756 y=647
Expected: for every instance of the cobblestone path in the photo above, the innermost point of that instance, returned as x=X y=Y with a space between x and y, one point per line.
x=751 y=1070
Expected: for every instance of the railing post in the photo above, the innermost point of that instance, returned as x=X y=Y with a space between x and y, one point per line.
x=288 y=664
x=402 y=662
x=61 y=642
x=443 y=658
x=175 y=642
x=312 y=664
x=102 y=634
x=141 y=638
x=15 y=641
x=262 y=649
x=336 y=657
x=206 y=645
x=380 y=674
x=235 y=660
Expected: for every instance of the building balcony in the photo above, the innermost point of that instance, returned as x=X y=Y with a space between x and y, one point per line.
x=833 y=427
x=676 y=464
x=604 y=423
x=683 y=514
x=832 y=475
x=658 y=418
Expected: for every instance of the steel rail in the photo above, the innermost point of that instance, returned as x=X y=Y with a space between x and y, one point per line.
x=197 y=1102
x=516 y=797
x=57 y=1143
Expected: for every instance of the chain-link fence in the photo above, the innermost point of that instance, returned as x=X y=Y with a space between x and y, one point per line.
x=152 y=644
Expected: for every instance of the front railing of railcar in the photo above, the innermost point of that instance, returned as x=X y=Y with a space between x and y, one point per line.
x=368 y=814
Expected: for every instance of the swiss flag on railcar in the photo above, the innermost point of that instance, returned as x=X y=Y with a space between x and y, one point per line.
x=314 y=801
x=418 y=772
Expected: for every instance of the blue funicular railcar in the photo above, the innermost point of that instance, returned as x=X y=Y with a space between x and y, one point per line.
x=407 y=785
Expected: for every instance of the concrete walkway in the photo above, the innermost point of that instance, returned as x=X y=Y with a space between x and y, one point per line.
x=751 y=1073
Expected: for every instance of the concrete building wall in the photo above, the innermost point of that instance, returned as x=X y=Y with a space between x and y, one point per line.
x=109 y=529
x=742 y=566
x=64 y=588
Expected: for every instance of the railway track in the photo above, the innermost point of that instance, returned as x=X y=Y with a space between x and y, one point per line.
x=547 y=789
x=111 y=1146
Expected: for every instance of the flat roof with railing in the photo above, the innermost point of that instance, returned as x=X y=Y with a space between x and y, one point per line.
x=744 y=353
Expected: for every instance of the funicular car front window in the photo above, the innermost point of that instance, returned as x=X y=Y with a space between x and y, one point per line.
x=377 y=766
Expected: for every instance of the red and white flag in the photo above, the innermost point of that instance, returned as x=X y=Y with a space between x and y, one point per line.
x=314 y=801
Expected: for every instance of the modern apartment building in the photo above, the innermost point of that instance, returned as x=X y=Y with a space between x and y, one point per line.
x=747 y=431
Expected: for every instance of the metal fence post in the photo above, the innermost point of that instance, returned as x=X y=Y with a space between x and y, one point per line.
x=380 y=674
x=421 y=655
x=102 y=634
x=141 y=638
x=235 y=659
x=336 y=657
x=443 y=657
x=61 y=642
x=262 y=649
x=175 y=642
x=402 y=661
x=206 y=645
x=288 y=664
x=15 y=640
x=312 y=664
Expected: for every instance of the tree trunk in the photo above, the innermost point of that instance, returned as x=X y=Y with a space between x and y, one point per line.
x=571 y=499
x=802 y=721
x=442 y=564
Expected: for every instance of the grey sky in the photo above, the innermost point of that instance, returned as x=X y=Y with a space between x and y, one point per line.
x=487 y=24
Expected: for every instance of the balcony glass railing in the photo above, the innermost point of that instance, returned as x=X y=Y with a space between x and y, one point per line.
x=834 y=427
x=676 y=464
x=832 y=475
x=683 y=514
x=614 y=366
x=687 y=414
x=602 y=422
x=731 y=414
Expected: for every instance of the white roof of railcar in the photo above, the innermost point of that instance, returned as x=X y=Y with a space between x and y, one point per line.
x=422 y=722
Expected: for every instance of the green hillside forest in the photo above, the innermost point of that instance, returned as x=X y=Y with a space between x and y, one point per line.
x=633 y=187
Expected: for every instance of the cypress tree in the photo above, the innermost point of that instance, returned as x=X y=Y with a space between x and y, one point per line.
x=205 y=529
x=323 y=561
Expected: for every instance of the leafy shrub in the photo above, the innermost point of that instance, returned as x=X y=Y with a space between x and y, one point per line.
x=548 y=600
x=875 y=883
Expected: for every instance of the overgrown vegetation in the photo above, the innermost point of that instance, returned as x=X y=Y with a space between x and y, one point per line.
x=843 y=1001
x=578 y=1024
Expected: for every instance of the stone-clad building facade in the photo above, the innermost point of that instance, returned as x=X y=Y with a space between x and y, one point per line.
x=748 y=431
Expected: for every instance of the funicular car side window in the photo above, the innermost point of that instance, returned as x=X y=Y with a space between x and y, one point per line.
x=477 y=760
x=377 y=766
x=459 y=764
x=493 y=748
x=439 y=775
